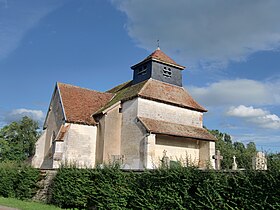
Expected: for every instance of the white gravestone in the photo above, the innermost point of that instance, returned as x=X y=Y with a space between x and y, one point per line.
x=234 y=164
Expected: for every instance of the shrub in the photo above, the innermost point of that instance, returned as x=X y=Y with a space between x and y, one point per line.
x=18 y=180
x=174 y=188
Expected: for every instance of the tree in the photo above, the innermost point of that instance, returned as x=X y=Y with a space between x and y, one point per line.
x=17 y=140
x=273 y=161
x=228 y=149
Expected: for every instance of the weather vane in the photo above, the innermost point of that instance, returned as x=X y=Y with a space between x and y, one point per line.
x=158 y=43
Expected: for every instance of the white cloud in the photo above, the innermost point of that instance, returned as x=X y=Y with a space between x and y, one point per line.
x=236 y=92
x=259 y=117
x=17 y=114
x=244 y=111
x=18 y=17
x=209 y=32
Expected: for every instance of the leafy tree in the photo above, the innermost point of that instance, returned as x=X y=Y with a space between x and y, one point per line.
x=228 y=149
x=17 y=140
x=273 y=161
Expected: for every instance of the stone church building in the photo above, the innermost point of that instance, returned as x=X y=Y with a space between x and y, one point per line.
x=139 y=123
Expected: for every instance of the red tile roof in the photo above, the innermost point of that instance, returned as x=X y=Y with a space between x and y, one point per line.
x=79 y=103
x=153 y=90
x=168 y=128
x=160 y=56
x=171 y=94
x=62 y=131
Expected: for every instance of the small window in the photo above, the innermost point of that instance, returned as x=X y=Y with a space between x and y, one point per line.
x=142 y=70
x=167 y=72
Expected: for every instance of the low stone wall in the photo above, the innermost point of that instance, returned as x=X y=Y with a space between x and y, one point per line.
x=43 y=194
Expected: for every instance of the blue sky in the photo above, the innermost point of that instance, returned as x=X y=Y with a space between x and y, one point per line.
x=231 y=50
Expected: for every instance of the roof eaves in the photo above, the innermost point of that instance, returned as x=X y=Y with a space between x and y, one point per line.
x=61 y=101
x=168 y=63
x=171 y=103
x=81 y=123
x=213 y=138
x=111 y=107
x=160 y=61
x=189 y=137
x=144 y=124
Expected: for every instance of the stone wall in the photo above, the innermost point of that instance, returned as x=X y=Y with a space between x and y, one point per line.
x=143 y=150
x=55 y=118
x=38 y=157
x=179 y=149
x=112 y=135
x=132 y=136
x=44 y=194
x=206 y=152
x=169 y=113
x=80 y=145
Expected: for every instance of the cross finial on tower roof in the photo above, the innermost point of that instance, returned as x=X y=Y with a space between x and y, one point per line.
x=158 y=45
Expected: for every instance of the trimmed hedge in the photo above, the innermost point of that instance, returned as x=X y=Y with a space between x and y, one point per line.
x=176 y=188
x=18 y=180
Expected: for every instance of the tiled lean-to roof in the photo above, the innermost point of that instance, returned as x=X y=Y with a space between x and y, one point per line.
x=173 y=129
x=61 y=133
x=79 y=103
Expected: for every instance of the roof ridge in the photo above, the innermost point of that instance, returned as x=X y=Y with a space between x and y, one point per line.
x=144 y=86
x=75 y=86
x=159 y=56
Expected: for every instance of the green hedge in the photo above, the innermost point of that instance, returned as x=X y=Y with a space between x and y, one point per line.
x=18 y=180
x=178 y=188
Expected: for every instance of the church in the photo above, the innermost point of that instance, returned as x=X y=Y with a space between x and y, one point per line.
x=140 y=124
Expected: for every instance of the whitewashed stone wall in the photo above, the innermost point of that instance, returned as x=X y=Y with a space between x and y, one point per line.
x=43 y=155
x=132 y=136
x=109 y=136
x=144 y=150
x=207 y=150
x=54 y=121
x=179 y=149
x=149 y=152
x=212 y=148
x=169 y=113
x=38 y=157
x=59 y=149
x=80 y=145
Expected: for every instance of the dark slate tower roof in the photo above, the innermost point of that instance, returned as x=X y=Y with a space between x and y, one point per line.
x=160 y=67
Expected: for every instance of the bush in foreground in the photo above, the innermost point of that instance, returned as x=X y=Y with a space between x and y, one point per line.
x=18 y=180
x=176 y=188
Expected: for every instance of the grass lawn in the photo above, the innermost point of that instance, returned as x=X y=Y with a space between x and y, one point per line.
x=25 y=205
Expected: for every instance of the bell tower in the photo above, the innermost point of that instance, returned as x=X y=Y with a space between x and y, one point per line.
x=160 y=67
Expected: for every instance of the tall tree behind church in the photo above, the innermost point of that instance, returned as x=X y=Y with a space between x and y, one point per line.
x=17 y=140
x=228 y=149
